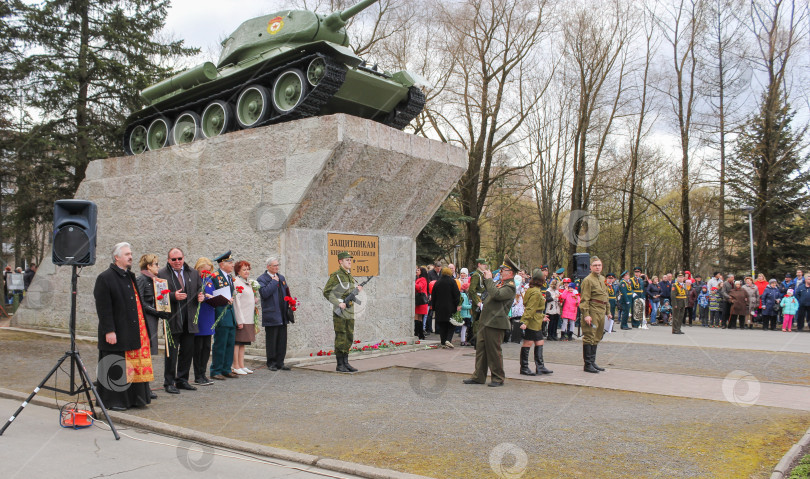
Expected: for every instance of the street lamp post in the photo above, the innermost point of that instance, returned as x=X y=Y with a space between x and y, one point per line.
x=750 y=211
x=455 y=255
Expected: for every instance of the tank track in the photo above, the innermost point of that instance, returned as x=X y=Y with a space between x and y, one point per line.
x=317 y=97
x=402 y=115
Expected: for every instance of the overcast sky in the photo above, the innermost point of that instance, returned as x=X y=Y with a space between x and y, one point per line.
x=204 y=23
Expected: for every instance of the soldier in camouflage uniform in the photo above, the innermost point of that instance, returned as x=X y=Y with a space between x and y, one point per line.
x=341 y=284
x=594 y=310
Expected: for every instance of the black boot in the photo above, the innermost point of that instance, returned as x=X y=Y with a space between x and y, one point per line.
x=524 y=362
x=570 y=335
x=593 y=358
x=348 y=366
x=586 y=356
x=538 y=361
x=341 y=366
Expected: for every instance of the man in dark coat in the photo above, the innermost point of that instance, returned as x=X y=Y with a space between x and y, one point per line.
x=185 y=295
x=272 y=289
x=124 y=360
x=723 y=291
x=29 y=274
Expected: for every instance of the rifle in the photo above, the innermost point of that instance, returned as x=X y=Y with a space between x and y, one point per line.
x=351 y=298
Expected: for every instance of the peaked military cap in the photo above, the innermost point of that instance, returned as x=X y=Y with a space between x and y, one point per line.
x=636 y=269
x=624 y=273
x=226 y=256
x=610 y=275
x=507 y=263
x=560 y=271
x=344 y=255
x=481 y=261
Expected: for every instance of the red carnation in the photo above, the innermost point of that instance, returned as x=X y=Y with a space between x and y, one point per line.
x=165 y=291
x=239 y=289
x=160 y=296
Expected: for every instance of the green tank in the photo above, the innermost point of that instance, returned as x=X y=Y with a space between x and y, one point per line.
x=275 y=68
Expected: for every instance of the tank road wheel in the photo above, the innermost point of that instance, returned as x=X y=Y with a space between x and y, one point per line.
x=186 y=128
x=252 y=106
x=288 y=90
x=137 y=140
x=216 y=119
x=158 y=134
x=316 y=70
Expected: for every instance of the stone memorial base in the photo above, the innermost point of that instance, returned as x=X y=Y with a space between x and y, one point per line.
x=277 y=190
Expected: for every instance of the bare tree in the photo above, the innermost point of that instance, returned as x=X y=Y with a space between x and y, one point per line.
x=496 y=81
x=596 y=37
x=549 y=147
x=638 y=129
x=725 y=78
x=683 y=24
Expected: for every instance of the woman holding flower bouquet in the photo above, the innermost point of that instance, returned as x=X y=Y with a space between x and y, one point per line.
x=244 y=305
x=205 y=324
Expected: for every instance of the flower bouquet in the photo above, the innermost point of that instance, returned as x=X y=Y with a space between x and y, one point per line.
x=257 y=316
x=207 y=277
x=239 y=290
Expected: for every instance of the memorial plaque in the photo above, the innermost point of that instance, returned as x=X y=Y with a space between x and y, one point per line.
x=364 y=249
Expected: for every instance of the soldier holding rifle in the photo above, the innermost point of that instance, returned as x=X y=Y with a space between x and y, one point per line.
x=339 y=287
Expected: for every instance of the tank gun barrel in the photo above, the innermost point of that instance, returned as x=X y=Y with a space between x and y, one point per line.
x=337 y=20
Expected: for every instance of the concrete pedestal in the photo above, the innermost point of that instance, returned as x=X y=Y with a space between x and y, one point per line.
x=277 y=190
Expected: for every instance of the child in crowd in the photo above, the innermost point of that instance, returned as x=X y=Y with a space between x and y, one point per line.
x=466 y=308
x=714 y=308
x=665 y=312
x=703 y=304
x=569 y=299
x=789 y=307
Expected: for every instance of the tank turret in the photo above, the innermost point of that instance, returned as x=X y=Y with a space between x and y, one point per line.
x=274 y=68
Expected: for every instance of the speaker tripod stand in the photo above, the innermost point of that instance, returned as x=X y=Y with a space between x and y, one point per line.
x=76 y=366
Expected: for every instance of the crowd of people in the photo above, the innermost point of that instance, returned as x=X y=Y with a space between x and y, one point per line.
x=10 y=295
x=549 y=306
x=206 y=314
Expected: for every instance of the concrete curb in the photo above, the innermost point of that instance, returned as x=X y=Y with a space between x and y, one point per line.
x=789 y=460
x=335 y=465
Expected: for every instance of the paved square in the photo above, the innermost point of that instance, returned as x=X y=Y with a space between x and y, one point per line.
x=666 y=407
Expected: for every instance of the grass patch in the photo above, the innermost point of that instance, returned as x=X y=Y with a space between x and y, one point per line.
x=802 y=470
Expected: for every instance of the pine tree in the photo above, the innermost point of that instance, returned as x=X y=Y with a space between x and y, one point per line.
x=87 y=63
x=769 y=173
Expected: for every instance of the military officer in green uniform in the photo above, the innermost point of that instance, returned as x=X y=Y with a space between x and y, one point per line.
x=494 y=319
x=678 y=304
x=474 y=292
x=225 y=330
x=339 y=285
x=639 y=283
x=625 y=299
x=613 y=293
x=594 y=309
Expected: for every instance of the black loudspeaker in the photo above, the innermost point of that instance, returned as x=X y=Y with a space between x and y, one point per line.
x=74 y=232
x=583 y=264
